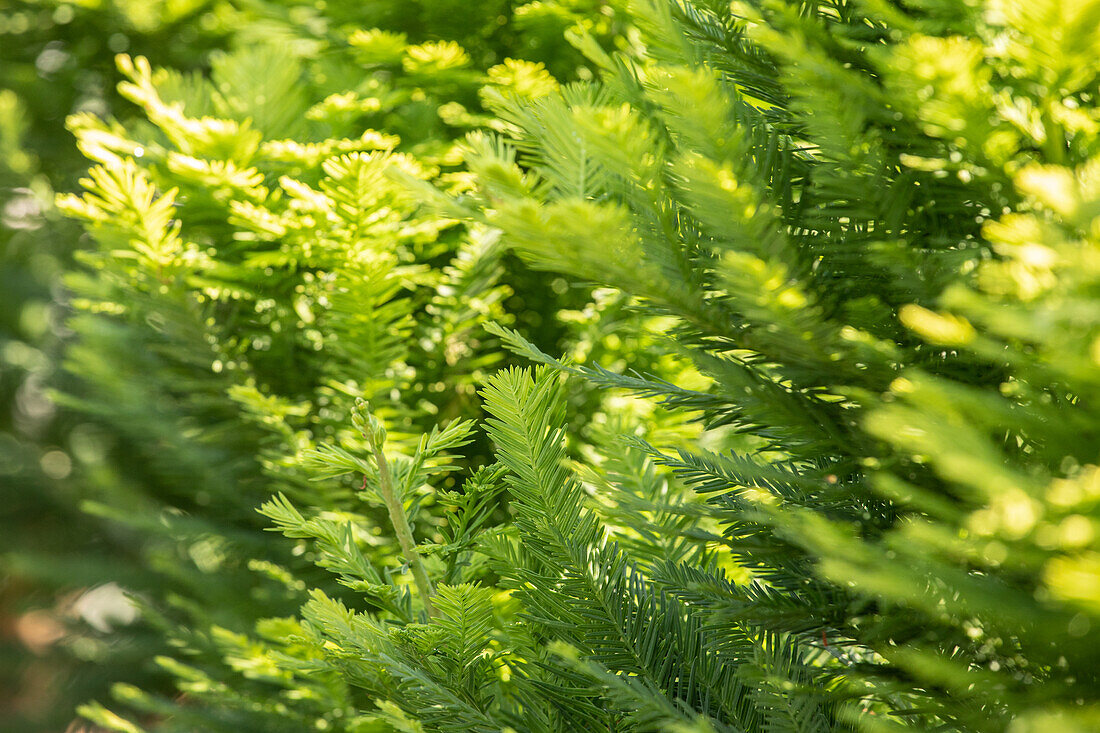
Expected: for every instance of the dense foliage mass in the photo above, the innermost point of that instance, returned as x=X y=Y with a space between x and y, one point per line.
x=737 y=370
x=889 y=276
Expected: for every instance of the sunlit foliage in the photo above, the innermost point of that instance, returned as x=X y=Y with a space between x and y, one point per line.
x=697 y=366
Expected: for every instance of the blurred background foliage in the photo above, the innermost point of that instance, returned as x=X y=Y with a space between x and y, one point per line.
x=57 y=58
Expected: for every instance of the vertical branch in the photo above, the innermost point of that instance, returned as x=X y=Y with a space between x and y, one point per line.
x=403 y=531
x=373 y=430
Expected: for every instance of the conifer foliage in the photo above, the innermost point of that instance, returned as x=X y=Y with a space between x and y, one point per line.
x=873 y=224
x=856 y=486
x=255 y=274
